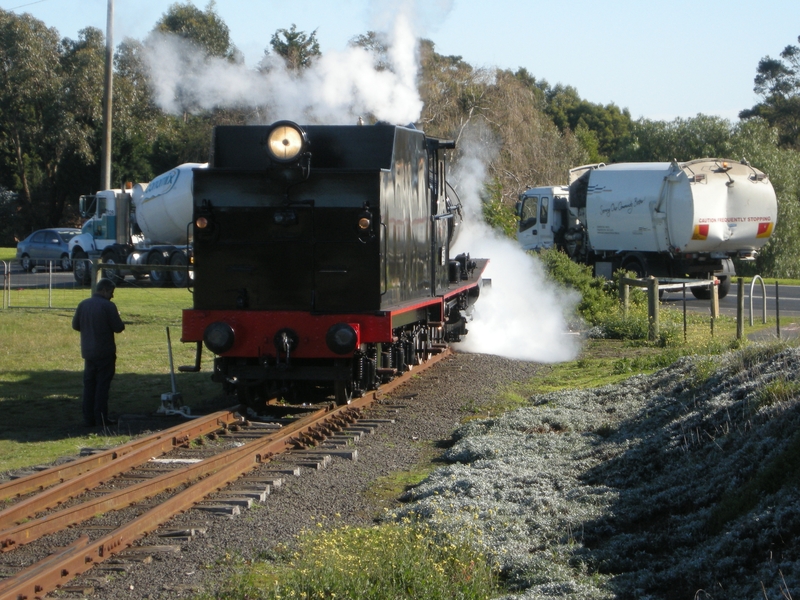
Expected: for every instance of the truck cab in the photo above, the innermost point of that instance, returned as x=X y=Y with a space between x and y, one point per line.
x=543 y=214
x=107 y=224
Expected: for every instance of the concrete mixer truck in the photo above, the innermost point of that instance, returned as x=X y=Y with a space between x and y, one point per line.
x=141 y=226
x=668 y=220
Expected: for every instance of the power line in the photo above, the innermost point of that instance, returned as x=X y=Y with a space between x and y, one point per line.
x=28 y=4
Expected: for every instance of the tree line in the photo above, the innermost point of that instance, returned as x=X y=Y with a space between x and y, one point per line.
x=51 y=122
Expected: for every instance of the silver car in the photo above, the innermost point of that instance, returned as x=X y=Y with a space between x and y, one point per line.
x=46 y=245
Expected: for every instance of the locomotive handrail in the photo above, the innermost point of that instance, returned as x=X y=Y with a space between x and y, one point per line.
x=385 y=259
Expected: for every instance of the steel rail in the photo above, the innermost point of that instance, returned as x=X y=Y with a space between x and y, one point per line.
x=51 y=573
x=30 y=531
x=39 y=481
x=91 y=473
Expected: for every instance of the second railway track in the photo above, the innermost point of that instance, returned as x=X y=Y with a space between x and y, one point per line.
x=48 y=511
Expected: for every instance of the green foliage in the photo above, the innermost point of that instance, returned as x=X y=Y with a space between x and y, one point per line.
x=604 y=130
x=297 y=48
x=681 y=139
x=777 y=81
x=779 y=390
x=204 y=29
x=598 y=298
x=34 y=129
x=498 y=215
x=388 y=562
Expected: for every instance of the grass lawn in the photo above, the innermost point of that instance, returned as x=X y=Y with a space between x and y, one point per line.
x=41 y=372
x=8 y=253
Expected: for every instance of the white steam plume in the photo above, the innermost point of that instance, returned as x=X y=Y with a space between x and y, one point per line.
x=522 y=315
x=337 y=88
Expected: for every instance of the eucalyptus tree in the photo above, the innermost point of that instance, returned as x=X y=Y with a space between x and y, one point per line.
x=496 y=118
x=297 y=48
x=186 y=137
x=203 y=28
x=36 y=125
x=777 y=81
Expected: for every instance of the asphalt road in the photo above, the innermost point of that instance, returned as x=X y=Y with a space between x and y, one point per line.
x=789 y=302
x=42 y=278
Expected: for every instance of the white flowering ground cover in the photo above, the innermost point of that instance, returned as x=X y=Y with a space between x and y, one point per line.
x=681 y=484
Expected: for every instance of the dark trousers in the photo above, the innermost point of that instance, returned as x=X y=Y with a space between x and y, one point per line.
x=97 y=376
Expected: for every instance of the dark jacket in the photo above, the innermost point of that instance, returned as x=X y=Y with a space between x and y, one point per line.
x=98 y=320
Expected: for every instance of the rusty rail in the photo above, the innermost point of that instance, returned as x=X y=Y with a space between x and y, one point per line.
x=88 y=473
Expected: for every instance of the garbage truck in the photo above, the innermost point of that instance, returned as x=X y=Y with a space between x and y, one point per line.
x=665 y=219
x=132 y=229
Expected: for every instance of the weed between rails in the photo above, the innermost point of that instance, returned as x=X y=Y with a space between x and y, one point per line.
x=399 y=560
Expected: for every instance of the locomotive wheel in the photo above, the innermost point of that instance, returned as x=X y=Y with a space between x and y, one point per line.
x=343 y=392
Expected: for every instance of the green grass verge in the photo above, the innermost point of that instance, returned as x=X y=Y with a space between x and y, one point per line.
x=8 y=253
x=41 y=372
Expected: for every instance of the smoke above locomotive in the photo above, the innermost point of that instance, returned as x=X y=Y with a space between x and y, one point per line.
x=338 y=89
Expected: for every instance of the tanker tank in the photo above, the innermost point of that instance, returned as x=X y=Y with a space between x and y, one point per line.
x=164 y=206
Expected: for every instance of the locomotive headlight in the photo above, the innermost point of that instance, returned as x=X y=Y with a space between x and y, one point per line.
x=201 y=223
x=364 y=223
x=219 y=337
x=342 y=338
x=285 y=142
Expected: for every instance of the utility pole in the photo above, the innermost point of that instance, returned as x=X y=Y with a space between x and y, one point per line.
x=105 y=170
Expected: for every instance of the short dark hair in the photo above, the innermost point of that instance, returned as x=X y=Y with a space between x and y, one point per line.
x=105 y=285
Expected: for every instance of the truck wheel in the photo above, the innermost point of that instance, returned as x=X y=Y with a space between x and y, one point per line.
x=81 y=270
x=702 y=292
x=114 y=274
x=724 y=287
x=157 y=278
x=180 y=277
x=637 y=264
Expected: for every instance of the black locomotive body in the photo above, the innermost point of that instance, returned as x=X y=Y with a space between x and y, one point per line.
x=321 y=258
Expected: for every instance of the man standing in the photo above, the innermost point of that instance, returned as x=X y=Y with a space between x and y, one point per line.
x=97 y=318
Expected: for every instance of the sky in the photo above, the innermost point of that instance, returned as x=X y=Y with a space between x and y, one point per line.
x=659 y=60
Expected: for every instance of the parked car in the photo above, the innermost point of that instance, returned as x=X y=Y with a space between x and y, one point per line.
x=46 y=245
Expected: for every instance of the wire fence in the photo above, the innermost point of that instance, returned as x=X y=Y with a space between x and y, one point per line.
x=48 y=286
x=44 y=286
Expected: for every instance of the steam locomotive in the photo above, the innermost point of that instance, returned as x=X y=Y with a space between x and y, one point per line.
x=322 y=259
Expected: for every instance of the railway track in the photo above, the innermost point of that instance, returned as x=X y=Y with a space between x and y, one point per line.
x=56 y=510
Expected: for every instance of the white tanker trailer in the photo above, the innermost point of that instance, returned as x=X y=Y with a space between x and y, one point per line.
x=143 y=225
x=669 y=220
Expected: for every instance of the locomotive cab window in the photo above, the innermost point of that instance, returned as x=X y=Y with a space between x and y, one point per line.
x=527 y=217
x=543 y=210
